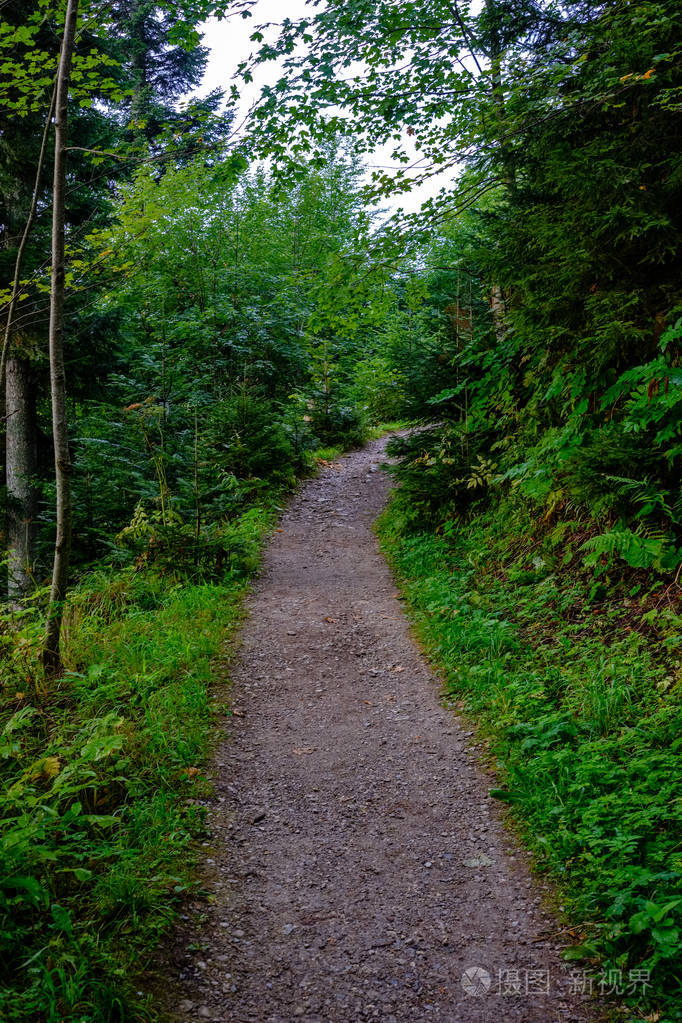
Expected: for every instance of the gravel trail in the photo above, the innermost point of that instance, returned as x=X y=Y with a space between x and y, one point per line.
x=357 y=864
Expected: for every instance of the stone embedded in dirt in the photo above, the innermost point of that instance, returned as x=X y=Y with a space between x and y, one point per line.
x=479 y=861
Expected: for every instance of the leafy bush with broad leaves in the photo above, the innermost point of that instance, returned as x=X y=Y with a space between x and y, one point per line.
x=380 y=389
x=443 y=470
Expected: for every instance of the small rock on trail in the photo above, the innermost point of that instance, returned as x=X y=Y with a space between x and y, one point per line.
x=360 y=870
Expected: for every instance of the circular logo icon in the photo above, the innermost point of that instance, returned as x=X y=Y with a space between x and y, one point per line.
x=476 y=981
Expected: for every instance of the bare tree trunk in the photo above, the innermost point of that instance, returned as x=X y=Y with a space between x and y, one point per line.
x=19 y=263
x=498 y=309
x=60 y=432
x=20 y=467
x=20 y=415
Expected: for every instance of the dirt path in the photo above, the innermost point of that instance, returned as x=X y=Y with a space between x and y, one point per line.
x=359 y=867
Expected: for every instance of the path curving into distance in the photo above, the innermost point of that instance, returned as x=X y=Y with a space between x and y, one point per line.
x=357 y=865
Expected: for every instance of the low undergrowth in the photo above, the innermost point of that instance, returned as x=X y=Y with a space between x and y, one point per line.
x=577 y=689
x=102 y=779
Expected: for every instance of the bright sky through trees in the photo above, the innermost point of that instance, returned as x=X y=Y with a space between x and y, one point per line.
x=229 y=43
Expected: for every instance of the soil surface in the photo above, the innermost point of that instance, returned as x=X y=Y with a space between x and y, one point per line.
x=358 y=867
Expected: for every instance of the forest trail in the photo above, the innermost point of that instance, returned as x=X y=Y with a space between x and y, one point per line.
x=358 y=866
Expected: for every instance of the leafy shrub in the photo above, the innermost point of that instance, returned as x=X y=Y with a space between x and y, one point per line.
x=379 y=388
x=246 y=439
x=218 y=549
x=442 y=472
x=338 y=423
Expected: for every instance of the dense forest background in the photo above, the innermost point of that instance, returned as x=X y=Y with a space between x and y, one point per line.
x=237 y=306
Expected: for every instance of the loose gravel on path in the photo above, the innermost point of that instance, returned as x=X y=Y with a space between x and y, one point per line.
x=357 y=864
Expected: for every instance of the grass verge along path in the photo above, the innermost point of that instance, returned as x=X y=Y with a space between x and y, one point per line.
x=101 y=773
x=582 y=714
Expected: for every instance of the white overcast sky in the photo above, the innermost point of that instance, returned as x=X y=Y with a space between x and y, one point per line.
x=229 y=44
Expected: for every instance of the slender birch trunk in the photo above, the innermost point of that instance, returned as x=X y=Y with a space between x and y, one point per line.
x=498 y=307
x=20 y=461
x=62 y=457
x=19 y=264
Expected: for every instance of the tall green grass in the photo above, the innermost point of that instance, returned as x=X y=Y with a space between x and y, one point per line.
x=102 y=784
x=581 y=703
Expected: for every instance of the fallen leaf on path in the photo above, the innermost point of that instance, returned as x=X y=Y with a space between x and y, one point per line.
x=332 y=621
x=398 y=667
x=302 y=751
x=237 y=713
